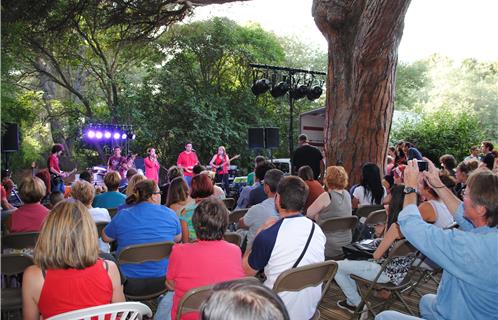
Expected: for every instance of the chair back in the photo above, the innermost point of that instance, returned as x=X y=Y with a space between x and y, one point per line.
x=20 y=240
x=235 y=215
x=193 y=299
x=376 y=217
x=402 y=248
x=100 y=226
x=122 y=310
x=307 y=276
x=233 y=237
x=364 y=211
x=14 y=264
x=140 y=253
x=229 y=203
x=112 y=212
x=339 y=224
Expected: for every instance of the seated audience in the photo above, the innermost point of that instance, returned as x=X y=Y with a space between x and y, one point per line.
x=398 y=174
x=257 y=195
x=112 y=198
x=390 y=165
x=433 y=210
x=250 y=177
x=5 y=200
x=219 y=259
x=145 y=222
x=44 y=175
x=123 y=184
x=178 y=195
x=488 y=157
x=243 y=300
x=30 y=216
x=68 y=274
x=130 y=189
x=468 y=256
x=243 y=200
x=218 y=192
x=173 y=172
x=258 y=214
x=333 y=204
x=282 y=246
x=202 y=188
x=54 y=198
x=198 y=169
x=314 y=187
x=400 y=154
x=370 y=191
x=7 y=182
x=84 y=192
x=86 y=176
x=448 y=164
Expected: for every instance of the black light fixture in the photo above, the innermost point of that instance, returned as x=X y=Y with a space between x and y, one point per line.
x=260 y=86
x=299 y=92
x=281 y=88
x=314 y=93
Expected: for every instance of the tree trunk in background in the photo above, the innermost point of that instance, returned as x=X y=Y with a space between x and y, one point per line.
x=363 y=38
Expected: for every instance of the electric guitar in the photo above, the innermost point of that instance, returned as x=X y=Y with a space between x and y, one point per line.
x=218 y=168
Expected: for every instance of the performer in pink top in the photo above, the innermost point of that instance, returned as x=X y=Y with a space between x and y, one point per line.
x=220 y=163
x=152 y=165
x=187 y=160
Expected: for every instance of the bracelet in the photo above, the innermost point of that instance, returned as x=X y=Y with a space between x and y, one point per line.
x=441 y=187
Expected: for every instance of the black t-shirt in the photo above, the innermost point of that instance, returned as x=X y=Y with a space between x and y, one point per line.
x=307 y=155
x=489 y=160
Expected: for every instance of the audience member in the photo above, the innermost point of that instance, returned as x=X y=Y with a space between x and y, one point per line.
x=307 y=154
x=112 y=198
x=389 y=165
x=370 y=191
x=333 y=204
x=44 y=175
x=5 y=200
x=178 y=195
x=462 y=173
x=250 y=177
x=130 y=189
x=314 y=187
x=198 y=168
x=54 y=198
x=7 y=182
x=398 y=173
x=218 y=192
x=467 y=289
x=448 y=163
x=258 y=214
x=292 y=241
x=84 y=192
x=411 y=152
x=145 y=222
x=219 y=259
x=400 y=154
x=433 y=210
x=173 y=172
x=30 y=216
x=123 y=184
x=243 y=300
x=258 y=195
x=474 y=154
x=243 y=200
x=68 y=274
x=488 y=156
x=86 y=176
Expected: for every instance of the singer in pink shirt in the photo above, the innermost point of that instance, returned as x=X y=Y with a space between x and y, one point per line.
x=152 y=165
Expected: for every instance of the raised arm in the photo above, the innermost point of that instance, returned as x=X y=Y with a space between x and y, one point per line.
x=446 y=195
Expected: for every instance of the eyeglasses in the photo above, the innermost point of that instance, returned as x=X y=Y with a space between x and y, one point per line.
x=158 y=192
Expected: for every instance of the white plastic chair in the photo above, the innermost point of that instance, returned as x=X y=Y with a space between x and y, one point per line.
x=122 y=311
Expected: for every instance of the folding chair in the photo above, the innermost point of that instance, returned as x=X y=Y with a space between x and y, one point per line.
x=20 y=240
x=233 y=237
x=193 y=299
x=334 y=225
x=364 y=211
x=297 y=279
x=140 y=253
x=401 y=249
x=13 y=265
x=234 y=217
x=122 y=310
x=376 y=217
x=426 y=271
x=229 y=203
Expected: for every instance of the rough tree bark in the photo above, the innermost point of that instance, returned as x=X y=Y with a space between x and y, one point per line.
x=363 y=38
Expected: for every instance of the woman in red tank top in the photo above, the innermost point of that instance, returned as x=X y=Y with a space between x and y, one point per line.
x=68 y=274
x=221 y=163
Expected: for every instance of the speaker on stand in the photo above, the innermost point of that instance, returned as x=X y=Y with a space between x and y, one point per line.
x=10 y=140
x=256 y=138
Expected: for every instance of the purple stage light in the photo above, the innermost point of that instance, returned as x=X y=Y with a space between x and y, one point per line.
x=107 y=134
x=90 y=134
x=116 y=135
x=124 y=136
x=98 y=134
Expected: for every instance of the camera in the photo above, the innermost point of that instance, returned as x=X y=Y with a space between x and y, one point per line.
x=422 y=165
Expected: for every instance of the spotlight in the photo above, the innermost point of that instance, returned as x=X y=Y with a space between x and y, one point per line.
x=90 y=134
x=107 y=135
x=98 y=135
x=314 y=93
x=280 y=89
x=260 y=86
x=133 y=136
x=116 y=135
x=124 y=136
x=299 y=92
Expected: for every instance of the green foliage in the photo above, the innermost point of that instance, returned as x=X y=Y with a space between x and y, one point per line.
x=441 y=132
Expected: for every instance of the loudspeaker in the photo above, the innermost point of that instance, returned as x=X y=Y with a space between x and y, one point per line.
x=256 y=138
x=10 y=138
x=272 y=139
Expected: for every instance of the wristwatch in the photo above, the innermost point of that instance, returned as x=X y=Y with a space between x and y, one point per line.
x=409 y=190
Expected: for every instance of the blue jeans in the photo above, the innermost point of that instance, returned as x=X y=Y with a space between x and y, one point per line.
x=365 y=269
x=188 y=179
x=164 y=306
x=426 y=306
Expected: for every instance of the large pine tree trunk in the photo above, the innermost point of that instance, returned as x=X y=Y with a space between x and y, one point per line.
x=363 y=38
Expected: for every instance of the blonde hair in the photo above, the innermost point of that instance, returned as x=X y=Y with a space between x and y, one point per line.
x=336 y=177
x=68 y=238
x=32 y=189
x=133 y=182
x=83 y=191
x=112 y=180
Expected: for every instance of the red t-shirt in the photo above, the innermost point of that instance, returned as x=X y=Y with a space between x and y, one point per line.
x=53 y=162
x=4 y=193
x=220 y=261
x=315 y=190
x=67 y=290
x=218 y=161
x=28 y=218
x=187 y=160
x=151 y=169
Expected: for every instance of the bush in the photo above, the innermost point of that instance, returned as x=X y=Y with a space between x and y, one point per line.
x=441 y=132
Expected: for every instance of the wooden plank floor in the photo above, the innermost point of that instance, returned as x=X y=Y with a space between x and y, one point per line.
x=330 y=311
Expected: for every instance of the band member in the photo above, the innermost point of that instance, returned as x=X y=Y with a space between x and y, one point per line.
x=221 y=162
x=187 y=160
x=152 y=165
x=56 y=174
x=118 y=163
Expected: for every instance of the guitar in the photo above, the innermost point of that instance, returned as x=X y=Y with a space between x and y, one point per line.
x=60 y=178
x=218 y=168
